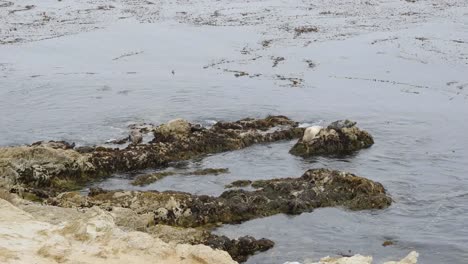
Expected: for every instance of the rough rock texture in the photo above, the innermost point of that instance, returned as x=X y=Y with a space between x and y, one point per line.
x=412 y=258
x=239 y=249
x=238 y=183
x=340 y=137
x=145 y=179
x=55 y=166
x=316 y=188
x=91 y=238
x=42 y=165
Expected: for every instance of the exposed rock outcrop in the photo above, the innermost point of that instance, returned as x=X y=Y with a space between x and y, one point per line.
x=49 y=167
x=316 y=188
x=340 y=137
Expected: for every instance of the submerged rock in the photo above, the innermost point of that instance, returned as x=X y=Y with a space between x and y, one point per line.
x=238 y=183
x=210 y=171
x=316 y=188
x=146 y=179
x=54 y=167
x=340 y=137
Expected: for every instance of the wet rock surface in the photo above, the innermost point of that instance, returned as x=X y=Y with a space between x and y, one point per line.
x=316 y=188
x=340 y=137
x=57 y=166
x=241 y=248
x=146 y=179
x=189 y=218
x=239 y=183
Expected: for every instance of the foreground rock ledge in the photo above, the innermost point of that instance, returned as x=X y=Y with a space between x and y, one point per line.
x=45 y=168
x=316 y=188
x=88 y=237
x=340 y=137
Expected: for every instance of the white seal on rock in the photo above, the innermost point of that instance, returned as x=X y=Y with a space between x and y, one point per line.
x=310 y=133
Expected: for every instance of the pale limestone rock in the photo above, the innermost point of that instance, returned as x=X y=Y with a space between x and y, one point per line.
x=89 y=237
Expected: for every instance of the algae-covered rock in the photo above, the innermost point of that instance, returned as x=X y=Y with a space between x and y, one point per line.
x=316 y=188
x=57 y=166
x=239 y=249
x=238 y=183
x=146 y=179
x=44 y=165
x=340 y=137
x=210 y=171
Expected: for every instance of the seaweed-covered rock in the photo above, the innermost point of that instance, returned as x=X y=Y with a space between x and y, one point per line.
x=57 y=166
x=146 y=179
x=43 y=165
x=238 y=183
x=239 y=249
x=316 y=188
x=340 y=137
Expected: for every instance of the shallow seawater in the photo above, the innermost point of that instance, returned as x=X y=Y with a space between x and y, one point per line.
x=80 y=88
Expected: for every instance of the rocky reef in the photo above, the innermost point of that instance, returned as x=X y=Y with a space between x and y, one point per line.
x=191 y=217
x=51 y=171
x=316 y=188
x=340 y=137
x=46 y=168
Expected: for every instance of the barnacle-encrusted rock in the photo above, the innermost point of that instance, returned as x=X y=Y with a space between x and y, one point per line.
x=57 y=166
x=239 y=249
x=340 y=137
x=316 y=188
